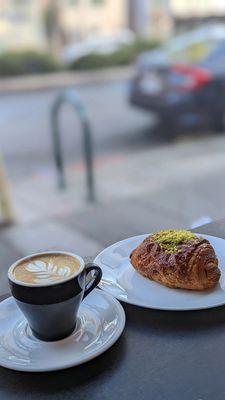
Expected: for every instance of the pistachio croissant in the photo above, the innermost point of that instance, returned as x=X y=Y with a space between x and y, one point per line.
x=177 y=259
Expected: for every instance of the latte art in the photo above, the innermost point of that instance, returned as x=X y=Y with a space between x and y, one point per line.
x=46 y=269
x=47 y=272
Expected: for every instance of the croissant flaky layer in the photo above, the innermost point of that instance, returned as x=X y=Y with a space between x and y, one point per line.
x=193 y=265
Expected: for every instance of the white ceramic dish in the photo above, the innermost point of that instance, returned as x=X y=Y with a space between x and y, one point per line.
x=100 y=323
x=122 y=281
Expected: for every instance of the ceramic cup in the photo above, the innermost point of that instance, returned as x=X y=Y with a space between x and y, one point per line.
x=51 y=309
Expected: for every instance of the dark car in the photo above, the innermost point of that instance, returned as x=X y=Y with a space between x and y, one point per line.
x=184 y=81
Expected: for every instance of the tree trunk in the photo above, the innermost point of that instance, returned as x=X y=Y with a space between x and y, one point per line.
x=53 y=28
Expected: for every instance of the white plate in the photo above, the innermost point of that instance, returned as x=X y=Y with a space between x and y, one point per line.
x=122 y=281
x=100 y=323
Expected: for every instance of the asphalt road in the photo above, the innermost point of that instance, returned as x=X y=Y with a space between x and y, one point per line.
x=25 y=129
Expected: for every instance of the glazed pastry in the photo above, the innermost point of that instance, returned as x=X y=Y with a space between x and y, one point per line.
x=178 y=259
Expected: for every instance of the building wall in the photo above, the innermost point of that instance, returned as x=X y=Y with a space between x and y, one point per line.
x=81 y=18
x=197 y=8
x=150 y=17
x=21 y=21
x=160 y=22
x=21 y=24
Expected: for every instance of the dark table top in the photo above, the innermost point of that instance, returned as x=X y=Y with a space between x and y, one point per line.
x=160 y=356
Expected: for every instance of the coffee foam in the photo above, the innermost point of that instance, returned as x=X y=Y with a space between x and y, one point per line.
x=46 y=269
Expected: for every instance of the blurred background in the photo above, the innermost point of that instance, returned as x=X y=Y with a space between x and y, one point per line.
x=134 y=91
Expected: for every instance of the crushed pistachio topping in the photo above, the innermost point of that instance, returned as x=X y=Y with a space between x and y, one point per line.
x=170 y=239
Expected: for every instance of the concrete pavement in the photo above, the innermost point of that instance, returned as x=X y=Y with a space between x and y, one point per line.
x=63 y=79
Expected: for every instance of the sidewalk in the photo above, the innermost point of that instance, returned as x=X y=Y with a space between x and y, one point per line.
x=176 y=186
x=184 y=177
x=63 y=79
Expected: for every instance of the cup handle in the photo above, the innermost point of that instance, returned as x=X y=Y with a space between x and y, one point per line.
x=94 y=280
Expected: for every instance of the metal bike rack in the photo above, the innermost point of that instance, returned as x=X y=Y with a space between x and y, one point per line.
x=70 y=97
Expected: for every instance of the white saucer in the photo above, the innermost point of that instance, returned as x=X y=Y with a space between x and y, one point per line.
x=100 y=323
x=122 y=281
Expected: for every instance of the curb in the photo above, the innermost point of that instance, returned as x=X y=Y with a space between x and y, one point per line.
x=63 y=79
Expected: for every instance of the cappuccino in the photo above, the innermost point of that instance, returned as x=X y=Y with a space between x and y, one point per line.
x=48 y=288
x=46 y=269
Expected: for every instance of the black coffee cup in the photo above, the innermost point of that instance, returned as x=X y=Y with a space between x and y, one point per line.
x=51 y=309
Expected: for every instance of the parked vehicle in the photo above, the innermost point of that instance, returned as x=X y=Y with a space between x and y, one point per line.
x=184 y=81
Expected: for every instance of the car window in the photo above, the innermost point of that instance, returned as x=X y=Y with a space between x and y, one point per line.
x=193 y=53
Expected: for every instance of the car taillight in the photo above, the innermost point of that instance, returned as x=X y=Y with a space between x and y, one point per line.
x=194 y=77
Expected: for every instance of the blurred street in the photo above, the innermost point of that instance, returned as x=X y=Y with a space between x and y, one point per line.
x=26 y=133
